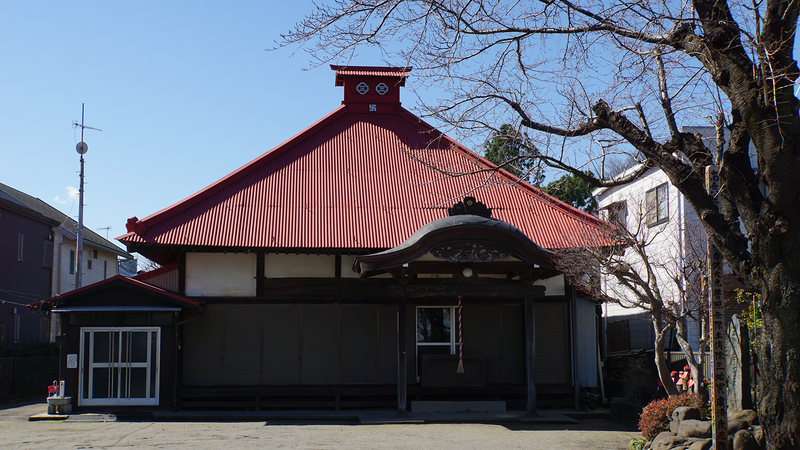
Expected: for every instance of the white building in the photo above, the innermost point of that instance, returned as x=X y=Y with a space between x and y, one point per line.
x=100 y=257
x=653 y=210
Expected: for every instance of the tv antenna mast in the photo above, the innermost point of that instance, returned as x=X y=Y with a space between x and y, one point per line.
x=105 y=228
x=81 y=148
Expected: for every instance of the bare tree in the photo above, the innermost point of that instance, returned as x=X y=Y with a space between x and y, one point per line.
x=591 y=80
x=651 y=269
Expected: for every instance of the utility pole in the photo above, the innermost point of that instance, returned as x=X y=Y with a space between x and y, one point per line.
x=81 y=148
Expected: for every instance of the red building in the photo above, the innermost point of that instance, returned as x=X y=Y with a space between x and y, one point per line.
x=328 y=272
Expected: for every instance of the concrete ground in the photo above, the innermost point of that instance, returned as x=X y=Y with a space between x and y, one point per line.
x=307 y=430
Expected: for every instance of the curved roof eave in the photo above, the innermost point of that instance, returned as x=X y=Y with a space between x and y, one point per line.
x=451 y=229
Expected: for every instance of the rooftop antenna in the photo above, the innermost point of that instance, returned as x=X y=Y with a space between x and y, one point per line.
x=81 y=148
x=105 y=228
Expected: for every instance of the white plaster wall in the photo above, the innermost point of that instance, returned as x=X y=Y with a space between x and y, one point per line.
x=302 y=266
x=553 y=286
x=221 y=274
x=347 y=267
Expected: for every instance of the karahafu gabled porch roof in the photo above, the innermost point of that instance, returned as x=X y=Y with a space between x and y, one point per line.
x=488 y=244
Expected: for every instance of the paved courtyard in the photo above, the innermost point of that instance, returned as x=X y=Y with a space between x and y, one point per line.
x=17 y=432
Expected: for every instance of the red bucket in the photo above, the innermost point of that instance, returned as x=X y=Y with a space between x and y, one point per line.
x=52 y=390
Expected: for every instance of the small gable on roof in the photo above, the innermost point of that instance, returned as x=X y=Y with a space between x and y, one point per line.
x=118 y=293
x=363 y=178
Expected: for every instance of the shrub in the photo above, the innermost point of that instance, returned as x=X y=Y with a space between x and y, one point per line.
x=656 y=416
x=636 y=444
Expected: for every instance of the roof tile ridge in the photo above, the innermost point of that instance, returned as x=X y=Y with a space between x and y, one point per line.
x=236 y=174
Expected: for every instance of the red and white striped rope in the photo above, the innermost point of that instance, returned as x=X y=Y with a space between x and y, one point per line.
x=460 y=342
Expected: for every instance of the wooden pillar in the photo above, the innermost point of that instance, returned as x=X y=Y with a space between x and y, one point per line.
x=573 y=312
x=530 y=353
x=531 y=293
x=402 y=357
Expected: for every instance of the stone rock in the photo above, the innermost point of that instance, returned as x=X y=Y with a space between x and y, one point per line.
x=736 y=425
x=682 y=413
x=748 y=415
x=700 y=444
x=744 y=440
x=693 y=428
x=665 y=441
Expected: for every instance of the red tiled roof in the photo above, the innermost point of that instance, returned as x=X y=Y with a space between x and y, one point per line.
x=356 y=180
x=342 y=71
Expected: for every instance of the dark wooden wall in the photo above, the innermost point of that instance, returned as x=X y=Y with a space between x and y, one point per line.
x=238 y=345
x=338 y=344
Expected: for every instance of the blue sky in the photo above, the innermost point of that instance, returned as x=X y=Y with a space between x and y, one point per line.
x=184 y=93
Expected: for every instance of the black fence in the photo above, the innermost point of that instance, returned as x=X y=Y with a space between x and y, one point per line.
x=27 y=376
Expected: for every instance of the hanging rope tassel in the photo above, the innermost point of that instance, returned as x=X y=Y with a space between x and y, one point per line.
x=460 y=368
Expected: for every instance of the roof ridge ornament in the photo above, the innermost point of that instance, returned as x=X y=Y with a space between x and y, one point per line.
x=369 y=86
x=469 y=206
x=134 y=225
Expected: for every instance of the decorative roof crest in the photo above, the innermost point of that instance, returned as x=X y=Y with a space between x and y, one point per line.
x=469 y=206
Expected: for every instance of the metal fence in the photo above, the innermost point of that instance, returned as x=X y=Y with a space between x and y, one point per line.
x=677 y=361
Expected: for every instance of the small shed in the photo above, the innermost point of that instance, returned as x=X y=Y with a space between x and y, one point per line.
x=118 y=342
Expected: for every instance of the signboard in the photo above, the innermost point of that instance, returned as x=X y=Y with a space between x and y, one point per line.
x=719 y=403
x=72 y=361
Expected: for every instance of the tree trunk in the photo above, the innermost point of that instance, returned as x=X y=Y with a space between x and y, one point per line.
x=661 y=360
x=779 y=364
